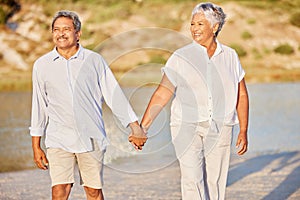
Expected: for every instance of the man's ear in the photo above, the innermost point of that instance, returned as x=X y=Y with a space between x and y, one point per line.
x=78 y=35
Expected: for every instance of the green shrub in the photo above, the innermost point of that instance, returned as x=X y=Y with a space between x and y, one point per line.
x=158 y=59
x=256 y=53
x=239 y=50
x=2 y=16
x=7 y=9
x=285 y=49
x=251 y=21
x=295 y=19
x=266 y=50
x=246 y=35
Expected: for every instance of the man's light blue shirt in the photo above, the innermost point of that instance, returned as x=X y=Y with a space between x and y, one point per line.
x=67 y=100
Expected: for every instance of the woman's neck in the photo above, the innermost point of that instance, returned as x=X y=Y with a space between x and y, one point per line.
x=211 y=48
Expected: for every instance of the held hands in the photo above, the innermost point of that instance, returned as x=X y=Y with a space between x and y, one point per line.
x=137 y=137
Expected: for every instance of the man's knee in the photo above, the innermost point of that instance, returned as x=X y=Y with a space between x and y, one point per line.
x=93 y=193
x=61 y=191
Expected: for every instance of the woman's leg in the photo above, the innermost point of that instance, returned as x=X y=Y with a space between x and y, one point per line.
x=189 y=151
x=217 y=164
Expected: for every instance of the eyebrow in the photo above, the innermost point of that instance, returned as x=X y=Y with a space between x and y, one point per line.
x=54 y=27
x=197 y=21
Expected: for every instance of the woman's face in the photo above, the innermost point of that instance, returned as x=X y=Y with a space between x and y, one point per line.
x=201 y=29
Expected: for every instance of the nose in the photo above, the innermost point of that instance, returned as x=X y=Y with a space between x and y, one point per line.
x=61 y=32
x=193 y=28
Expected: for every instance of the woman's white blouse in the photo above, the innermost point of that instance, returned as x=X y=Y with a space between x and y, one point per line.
x=206 y=88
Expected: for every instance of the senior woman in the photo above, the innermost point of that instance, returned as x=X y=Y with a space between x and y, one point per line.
x=206 y=81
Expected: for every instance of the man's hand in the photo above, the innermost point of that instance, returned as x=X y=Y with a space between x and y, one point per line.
x=40 y=159
x=39 y=156
x=242 y=143
x=137 y=136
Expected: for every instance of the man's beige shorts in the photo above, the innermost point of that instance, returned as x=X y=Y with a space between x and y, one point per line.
x=62 y=165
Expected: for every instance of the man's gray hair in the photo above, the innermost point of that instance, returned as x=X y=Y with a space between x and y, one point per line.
x=70 y=15
x=213 y=13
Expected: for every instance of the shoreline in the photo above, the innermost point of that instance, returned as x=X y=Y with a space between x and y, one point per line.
x=263 y=176
x=144 y=77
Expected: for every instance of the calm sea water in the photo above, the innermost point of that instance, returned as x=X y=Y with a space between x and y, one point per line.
x=274 y=127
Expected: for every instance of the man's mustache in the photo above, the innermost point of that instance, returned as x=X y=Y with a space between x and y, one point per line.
x=61 y=37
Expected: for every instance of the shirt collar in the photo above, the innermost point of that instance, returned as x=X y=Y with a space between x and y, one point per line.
x=79 y=54
x=218 y=50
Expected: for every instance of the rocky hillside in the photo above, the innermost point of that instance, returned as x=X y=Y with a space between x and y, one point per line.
x=255 y=32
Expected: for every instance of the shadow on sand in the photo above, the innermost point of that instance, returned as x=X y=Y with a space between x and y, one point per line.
x=286 y=188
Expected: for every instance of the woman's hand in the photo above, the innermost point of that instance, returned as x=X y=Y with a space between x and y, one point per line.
x=242 y=143
x=137 y=136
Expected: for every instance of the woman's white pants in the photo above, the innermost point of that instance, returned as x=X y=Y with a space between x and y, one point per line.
x=203 y=151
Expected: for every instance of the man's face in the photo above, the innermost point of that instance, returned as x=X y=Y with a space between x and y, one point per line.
x=64 y=34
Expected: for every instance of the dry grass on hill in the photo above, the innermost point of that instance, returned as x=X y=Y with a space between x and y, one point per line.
x=251 y=29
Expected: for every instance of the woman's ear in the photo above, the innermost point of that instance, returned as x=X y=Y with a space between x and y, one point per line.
x=215 y=28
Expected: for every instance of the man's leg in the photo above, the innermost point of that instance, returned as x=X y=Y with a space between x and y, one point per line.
x=93 y=194
x=90 y=166
x=61 y=191
x=61 y=169
x=217 y=164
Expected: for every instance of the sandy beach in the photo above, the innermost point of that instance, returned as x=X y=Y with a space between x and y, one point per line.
x=273 y=176
x=270 y=170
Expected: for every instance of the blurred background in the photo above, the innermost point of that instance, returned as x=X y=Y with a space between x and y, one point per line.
x=265 y=33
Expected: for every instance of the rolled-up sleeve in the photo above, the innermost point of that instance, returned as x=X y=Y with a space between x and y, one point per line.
x=38 y=111
x=170 y=69
x=239 y=69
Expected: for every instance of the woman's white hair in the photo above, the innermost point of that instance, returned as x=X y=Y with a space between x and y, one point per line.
x=213 y=13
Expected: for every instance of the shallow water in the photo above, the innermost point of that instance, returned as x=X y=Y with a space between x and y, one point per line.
x=274 y=117
x=274 y=127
